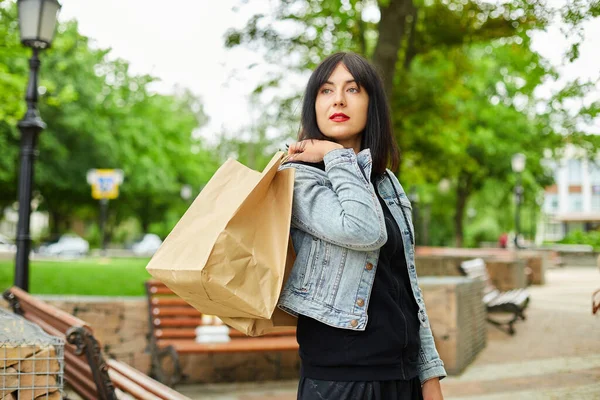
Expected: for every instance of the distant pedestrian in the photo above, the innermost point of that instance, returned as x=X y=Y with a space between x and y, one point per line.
x=503 y=240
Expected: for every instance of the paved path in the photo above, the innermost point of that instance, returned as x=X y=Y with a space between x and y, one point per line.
x=555 y=354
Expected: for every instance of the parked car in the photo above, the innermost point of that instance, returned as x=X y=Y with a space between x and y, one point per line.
x=147 y=245
x=6 y=245
x=67 y=245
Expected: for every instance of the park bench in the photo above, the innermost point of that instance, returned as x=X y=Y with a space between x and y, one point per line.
x=514 y=301
x=172 y=331
x=86 y=371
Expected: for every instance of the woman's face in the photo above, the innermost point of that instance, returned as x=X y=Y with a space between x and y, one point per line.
x=341 y=108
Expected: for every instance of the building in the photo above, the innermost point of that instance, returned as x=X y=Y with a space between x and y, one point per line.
x=573 y=202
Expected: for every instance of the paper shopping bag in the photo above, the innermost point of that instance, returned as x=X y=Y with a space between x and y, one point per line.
x=280 y=321
x=227 y=254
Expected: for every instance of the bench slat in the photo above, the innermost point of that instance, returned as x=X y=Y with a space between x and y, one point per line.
x=160 y=290
x=236 y=345
x=170 y=301
x=190 y=333
x=80 y=384
x=78 y=374
x=175 y=322
x=129 y=386
x=155 y=283
x=175 y=311
x=515 y=296
x=147 y=383
x=53 y=314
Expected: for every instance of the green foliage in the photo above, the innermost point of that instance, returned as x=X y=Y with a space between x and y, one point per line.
x=89 y=277
x=98 y=115
x=591 y=238
x=462 y=99
x=485 y=229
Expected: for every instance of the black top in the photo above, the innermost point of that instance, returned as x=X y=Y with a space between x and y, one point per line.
x=389 y=346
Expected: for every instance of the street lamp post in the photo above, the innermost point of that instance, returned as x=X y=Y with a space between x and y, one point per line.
x=37 y=21
x=518 y=165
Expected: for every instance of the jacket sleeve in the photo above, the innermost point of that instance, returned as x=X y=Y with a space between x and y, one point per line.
x=348 y=213
x=430 y=365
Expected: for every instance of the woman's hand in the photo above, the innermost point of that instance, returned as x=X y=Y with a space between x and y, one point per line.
x=432 y=390
x=311 y=150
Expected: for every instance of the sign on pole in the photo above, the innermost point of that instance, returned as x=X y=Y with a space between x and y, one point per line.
x=105 y=183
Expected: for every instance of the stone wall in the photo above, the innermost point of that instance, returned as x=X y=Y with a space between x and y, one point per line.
x=119 y=324
x=121 y=327
x=579 y=259
x=458 y=319
x=507 y=270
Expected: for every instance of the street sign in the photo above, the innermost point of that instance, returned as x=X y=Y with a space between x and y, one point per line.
x=105 y=183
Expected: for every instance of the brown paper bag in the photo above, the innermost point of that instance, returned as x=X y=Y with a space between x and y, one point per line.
x=279 y=322
x=227 y=254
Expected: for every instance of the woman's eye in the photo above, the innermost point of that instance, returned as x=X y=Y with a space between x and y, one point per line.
x=353 y=90
x=326 y=91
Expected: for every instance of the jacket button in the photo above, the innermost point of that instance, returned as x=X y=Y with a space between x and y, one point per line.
x=360 y=302
x=354 y=323
x=369 y=266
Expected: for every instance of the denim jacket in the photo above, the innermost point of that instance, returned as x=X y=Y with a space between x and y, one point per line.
x=337 y=230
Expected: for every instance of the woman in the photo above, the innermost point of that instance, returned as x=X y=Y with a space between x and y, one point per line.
x=362 y=326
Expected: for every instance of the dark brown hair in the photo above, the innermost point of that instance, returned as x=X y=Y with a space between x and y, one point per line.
x=378 y=135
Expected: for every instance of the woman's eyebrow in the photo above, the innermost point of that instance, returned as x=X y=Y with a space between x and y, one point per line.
x=331 y=83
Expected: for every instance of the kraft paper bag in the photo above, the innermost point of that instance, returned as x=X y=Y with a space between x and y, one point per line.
x=279 y=322
x=227 y=254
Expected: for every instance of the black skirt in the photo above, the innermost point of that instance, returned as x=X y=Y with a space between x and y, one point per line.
x=313 y=389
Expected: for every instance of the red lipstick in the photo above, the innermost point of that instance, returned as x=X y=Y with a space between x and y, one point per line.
x=339 y=117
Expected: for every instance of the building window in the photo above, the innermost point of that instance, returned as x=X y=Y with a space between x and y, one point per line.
x=594 y=173
x=575 y=202
x=551 y=203
x=575 y=227
x=596 y=202
x=553 y=231
x=574 y=172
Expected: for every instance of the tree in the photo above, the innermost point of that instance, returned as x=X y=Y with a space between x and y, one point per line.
x=98 y=115
x=460 y=76
x=13 y=79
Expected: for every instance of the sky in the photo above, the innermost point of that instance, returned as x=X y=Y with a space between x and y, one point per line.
x=181 y=42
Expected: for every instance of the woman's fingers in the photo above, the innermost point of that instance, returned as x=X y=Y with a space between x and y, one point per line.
x=297 y=147
x=310 y=150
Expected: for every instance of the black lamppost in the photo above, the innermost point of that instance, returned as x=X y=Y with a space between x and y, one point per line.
x=518 y=165
x=37 y=22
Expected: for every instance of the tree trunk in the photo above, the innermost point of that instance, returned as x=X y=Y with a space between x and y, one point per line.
x=145 y=216
x=462 y=195
x=362 y=40
x=56 y=220
x=411 y=52
x=392 y=28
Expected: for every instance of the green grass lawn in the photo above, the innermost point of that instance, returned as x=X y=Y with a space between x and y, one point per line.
x=90 y=276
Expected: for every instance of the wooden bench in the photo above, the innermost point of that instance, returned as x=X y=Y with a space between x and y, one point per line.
x=172 y=332
x=86 y=370
x=513 y=301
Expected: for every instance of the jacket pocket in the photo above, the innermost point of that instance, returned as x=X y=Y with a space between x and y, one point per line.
x=308 y=272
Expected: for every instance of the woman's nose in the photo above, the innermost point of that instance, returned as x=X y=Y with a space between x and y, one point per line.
x=339 y=100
